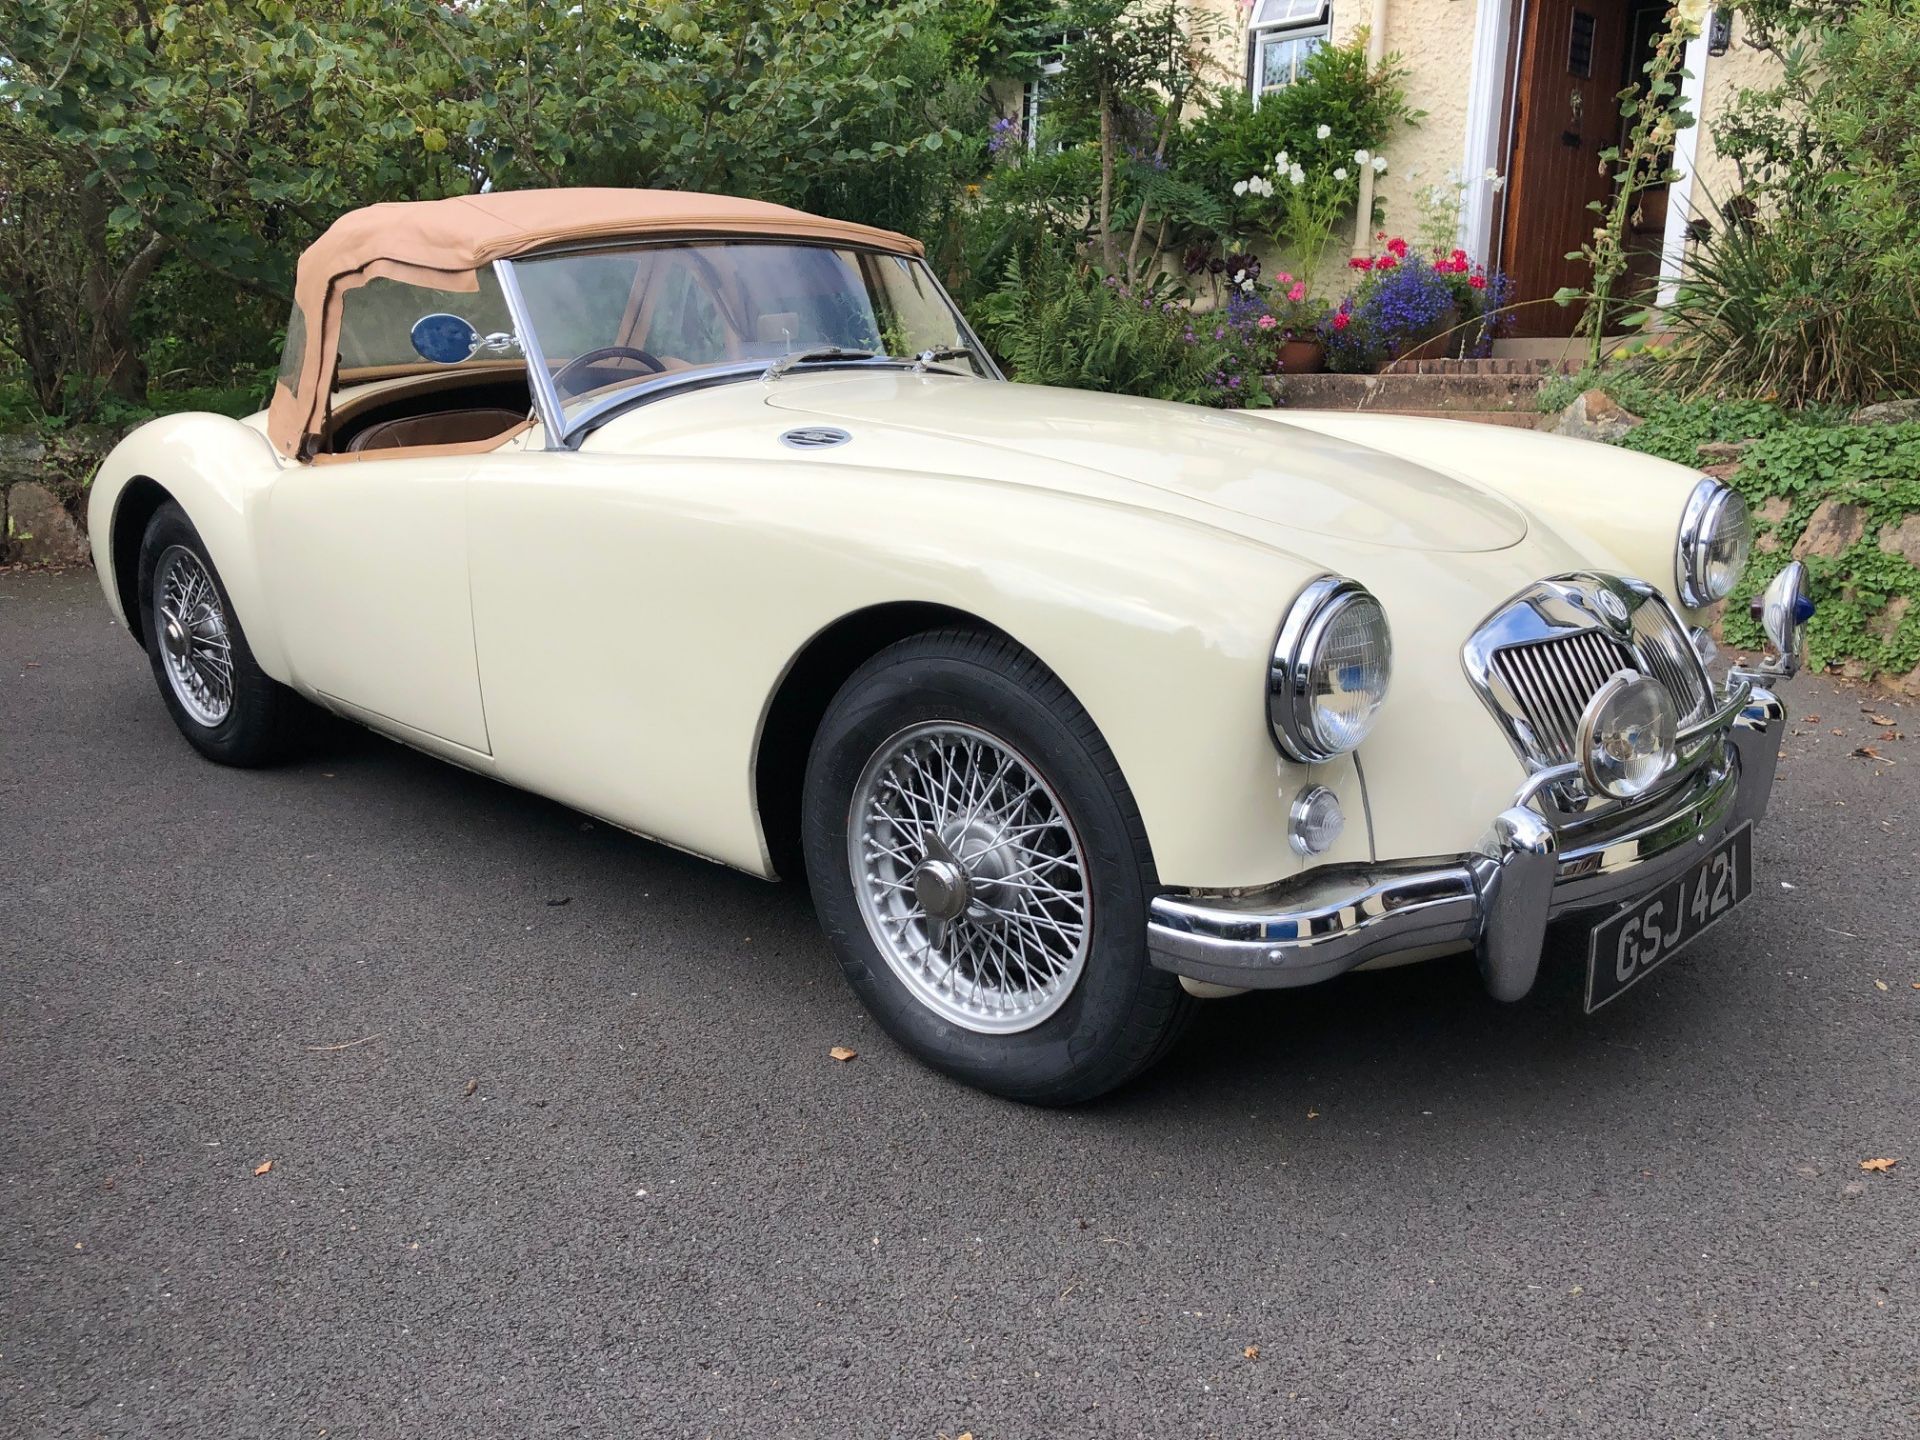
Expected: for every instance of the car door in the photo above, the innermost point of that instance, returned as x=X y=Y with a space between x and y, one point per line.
x=367 y=563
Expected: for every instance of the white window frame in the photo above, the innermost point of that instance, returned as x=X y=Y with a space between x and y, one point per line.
x=1276 y=22
x=1033 y=95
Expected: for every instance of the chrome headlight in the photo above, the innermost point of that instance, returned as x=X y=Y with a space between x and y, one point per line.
x=1715 y=535
x=1330 y=670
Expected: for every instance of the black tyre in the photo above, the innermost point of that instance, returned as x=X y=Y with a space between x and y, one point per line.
x=229 y=709
x=995 y=924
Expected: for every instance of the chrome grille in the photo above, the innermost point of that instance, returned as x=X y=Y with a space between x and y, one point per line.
x=1538 y=660
x=1554 y=679
x=1665 y=652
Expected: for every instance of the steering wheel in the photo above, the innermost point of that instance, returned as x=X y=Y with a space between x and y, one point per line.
x=607 y=352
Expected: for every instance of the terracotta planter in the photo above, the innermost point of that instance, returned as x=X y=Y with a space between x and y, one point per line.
x=1439 y=346
x=1302 y=357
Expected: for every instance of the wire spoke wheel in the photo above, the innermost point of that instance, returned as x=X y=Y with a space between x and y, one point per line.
x=191 y=628
x=970 y=877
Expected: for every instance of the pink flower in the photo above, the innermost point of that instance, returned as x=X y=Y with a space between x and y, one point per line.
x=1283 y=278
x=1298 y=292
x=1341 y=319
x=1478 y=282
x=1266 y=322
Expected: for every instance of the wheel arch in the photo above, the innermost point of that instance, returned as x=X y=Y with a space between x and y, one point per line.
x=799 y=703
x=216 y=470
x=139 y=499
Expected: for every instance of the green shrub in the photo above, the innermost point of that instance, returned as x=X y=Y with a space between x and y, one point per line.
x=1809 y=290
x=1363 y=107
x=1055 y=321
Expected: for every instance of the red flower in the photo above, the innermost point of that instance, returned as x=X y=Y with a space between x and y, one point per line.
x=1398 y=247
x=1387 y=261
x=1341 y=319
x=1360 y=262
x=1478 y=282
x=1460 y=256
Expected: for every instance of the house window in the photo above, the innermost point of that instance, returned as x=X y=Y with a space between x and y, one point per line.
x=1034 y=97
x=1280 y=36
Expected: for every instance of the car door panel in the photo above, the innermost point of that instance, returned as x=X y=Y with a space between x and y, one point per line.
x=368 y=562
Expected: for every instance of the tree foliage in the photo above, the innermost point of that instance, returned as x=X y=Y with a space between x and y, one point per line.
x=224 y=135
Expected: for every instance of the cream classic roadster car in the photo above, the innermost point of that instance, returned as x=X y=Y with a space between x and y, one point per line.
x=715 y=520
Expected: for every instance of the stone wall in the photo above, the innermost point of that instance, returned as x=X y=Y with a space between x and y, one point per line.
x=43 y=494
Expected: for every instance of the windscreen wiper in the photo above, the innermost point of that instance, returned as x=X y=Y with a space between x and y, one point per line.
x=813 y=357
x=930 y=358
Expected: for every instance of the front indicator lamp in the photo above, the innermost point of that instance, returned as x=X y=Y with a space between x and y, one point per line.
x=1314 y=821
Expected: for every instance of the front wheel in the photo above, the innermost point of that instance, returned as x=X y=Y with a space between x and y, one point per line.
x=229 y=709
x=982 y=873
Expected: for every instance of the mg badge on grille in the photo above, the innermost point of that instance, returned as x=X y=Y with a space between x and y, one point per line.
x=1612 y=607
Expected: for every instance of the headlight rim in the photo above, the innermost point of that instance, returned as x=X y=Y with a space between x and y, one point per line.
x=1290 y=669
x=1706 y=507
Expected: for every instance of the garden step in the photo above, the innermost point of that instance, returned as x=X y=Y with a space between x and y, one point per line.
x=1499 y=393
x=1496 y=365
x=1513 y=419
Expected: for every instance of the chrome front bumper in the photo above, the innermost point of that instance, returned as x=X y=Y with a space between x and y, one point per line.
x=1496 y=901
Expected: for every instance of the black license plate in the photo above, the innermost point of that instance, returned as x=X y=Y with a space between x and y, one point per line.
x=1626 y=946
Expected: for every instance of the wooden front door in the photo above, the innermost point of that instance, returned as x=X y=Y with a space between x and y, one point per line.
x=1566 y=111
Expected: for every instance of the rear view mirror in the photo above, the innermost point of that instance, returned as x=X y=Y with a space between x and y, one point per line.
x=444 y=339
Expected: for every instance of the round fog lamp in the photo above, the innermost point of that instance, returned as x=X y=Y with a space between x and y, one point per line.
x=1315 y=820
x=1627 y=736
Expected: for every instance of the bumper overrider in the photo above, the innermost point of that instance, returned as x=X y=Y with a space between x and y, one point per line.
x=1497 y=900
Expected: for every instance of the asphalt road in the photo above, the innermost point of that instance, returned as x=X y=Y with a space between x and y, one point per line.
x=557 y=1148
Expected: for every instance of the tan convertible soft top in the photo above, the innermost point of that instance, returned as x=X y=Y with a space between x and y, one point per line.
x=444 y=243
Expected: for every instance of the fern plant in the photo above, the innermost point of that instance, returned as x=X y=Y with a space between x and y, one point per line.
x=1054 y=321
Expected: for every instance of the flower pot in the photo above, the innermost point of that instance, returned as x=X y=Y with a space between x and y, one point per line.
x=1441 y=345
x=1302 y=357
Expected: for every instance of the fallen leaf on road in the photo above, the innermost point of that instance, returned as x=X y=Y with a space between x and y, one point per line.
x=1879 y=719
x=1813 y=719
x=263 y=1167
x=563 y=900
x=1313 y=1114
x=1892 y=735
x=841 y=1053
x=1880 y=1166
x=1879 y=984
x=472 y=1085
x=1867 y=752
x=1252 y=1352
x=1836 y=732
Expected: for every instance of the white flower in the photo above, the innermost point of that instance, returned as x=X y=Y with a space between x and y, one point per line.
x=1492 y=174
x=1297 y=175
x=1379 y=164
x=1240 y=187
x=1499 y=182
x=1340 y=172
x=1324 y=131
x=1282 y=160
x=1361 y=157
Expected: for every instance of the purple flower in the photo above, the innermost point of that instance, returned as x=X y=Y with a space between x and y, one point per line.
x=1002 y=133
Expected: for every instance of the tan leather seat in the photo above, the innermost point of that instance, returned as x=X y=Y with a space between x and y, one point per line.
x=450 y=427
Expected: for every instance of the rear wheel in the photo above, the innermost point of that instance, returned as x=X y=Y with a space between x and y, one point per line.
x=981 y=870
x=229 y=709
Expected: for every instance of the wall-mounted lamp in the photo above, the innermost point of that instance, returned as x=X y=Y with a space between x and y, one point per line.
x=1720 y=32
